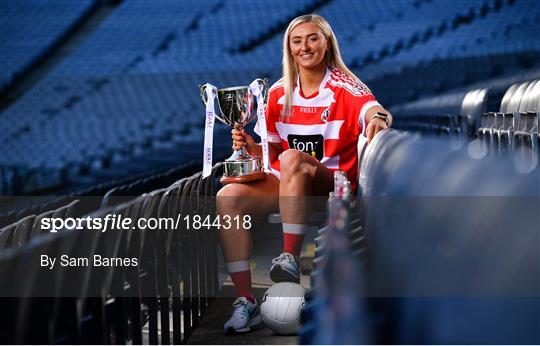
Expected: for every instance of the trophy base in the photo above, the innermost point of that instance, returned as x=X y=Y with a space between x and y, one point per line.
x=243 y=178
x=241 y=167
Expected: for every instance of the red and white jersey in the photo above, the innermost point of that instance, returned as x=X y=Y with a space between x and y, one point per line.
x=325 y=125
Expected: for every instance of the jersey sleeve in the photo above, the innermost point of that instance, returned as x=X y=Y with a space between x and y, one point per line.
x=365 y=102
x=272 y=116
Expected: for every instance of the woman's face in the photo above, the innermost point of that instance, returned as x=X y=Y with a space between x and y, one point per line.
x=308 y=45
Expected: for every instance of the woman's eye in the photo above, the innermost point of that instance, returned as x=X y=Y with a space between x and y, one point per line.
x=296 y=42
x=313 y=39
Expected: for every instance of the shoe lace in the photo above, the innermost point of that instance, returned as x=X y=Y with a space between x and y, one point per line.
x=241 y=308
x=284 y=257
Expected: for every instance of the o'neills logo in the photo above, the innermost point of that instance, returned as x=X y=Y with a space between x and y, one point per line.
x=308 y=109
x=310 y=144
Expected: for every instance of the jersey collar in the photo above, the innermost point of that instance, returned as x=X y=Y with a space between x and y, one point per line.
x=321 y=86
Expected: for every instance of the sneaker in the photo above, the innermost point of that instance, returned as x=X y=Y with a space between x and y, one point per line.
x=285 y=268
x=244 y=317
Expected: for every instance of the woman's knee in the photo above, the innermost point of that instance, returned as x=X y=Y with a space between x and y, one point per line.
x=295 y=162
x=232 y=199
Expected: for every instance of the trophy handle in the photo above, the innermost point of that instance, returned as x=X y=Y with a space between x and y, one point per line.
x=202 y=89
x=266 y=87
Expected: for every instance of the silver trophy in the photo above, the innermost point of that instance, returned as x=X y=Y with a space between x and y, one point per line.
x=236 y=107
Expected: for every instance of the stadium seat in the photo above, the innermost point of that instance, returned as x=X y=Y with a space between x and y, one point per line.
x=527 y=95
x=505 y=103
x=37 y=289
x=75 y=304
x=473 y=106
x=132 y=274
x=537 y=99
x=21 y=234
x=525 y=141
x=6 y=234
x=177 y=263
x=147 y=256
x=107 y=282
x=66 y=211
x=164 y=244
x=497 y=128
x=37 y=227
x=517 y=97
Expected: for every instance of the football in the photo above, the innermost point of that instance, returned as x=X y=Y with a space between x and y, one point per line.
x=281 y=307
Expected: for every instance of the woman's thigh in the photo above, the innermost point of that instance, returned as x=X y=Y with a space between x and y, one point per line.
x=255 y=198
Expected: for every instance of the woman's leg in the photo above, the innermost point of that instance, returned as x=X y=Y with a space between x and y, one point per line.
x=238 y=200
x=303 y=178
x=256 y=199
x=303 y=183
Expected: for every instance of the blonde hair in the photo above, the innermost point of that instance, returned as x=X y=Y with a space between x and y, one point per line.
x=290 y=68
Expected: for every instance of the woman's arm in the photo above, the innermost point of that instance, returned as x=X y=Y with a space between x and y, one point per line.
x=376 y=124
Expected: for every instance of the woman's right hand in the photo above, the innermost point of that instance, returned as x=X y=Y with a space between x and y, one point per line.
x=242 y=139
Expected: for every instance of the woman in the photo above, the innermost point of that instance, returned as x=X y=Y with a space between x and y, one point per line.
x=314 y=117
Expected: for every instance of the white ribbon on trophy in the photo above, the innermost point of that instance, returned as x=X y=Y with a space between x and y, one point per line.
x=256 y=89
x=211 y=93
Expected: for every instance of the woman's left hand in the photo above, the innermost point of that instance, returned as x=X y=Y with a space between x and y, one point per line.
x=375 y=126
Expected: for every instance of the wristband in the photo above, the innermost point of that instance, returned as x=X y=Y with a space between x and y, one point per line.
x=385 y=117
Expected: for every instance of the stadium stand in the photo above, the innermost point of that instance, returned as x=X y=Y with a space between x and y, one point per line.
x=100 y=305
x=453 y=56
x=19 y=233
x=473 y=32
x=461 y=293
x=451 y=102
x=422 y=254
x=110 y=100
x=113 y=87
x=30 y=29
x=94 y=196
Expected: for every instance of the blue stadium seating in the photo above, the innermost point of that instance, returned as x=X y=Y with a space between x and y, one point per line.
x=437 y=264
x=115 y=98
x=30 y=29
x=492 y=34
x=450 y=102
x=424 y=255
